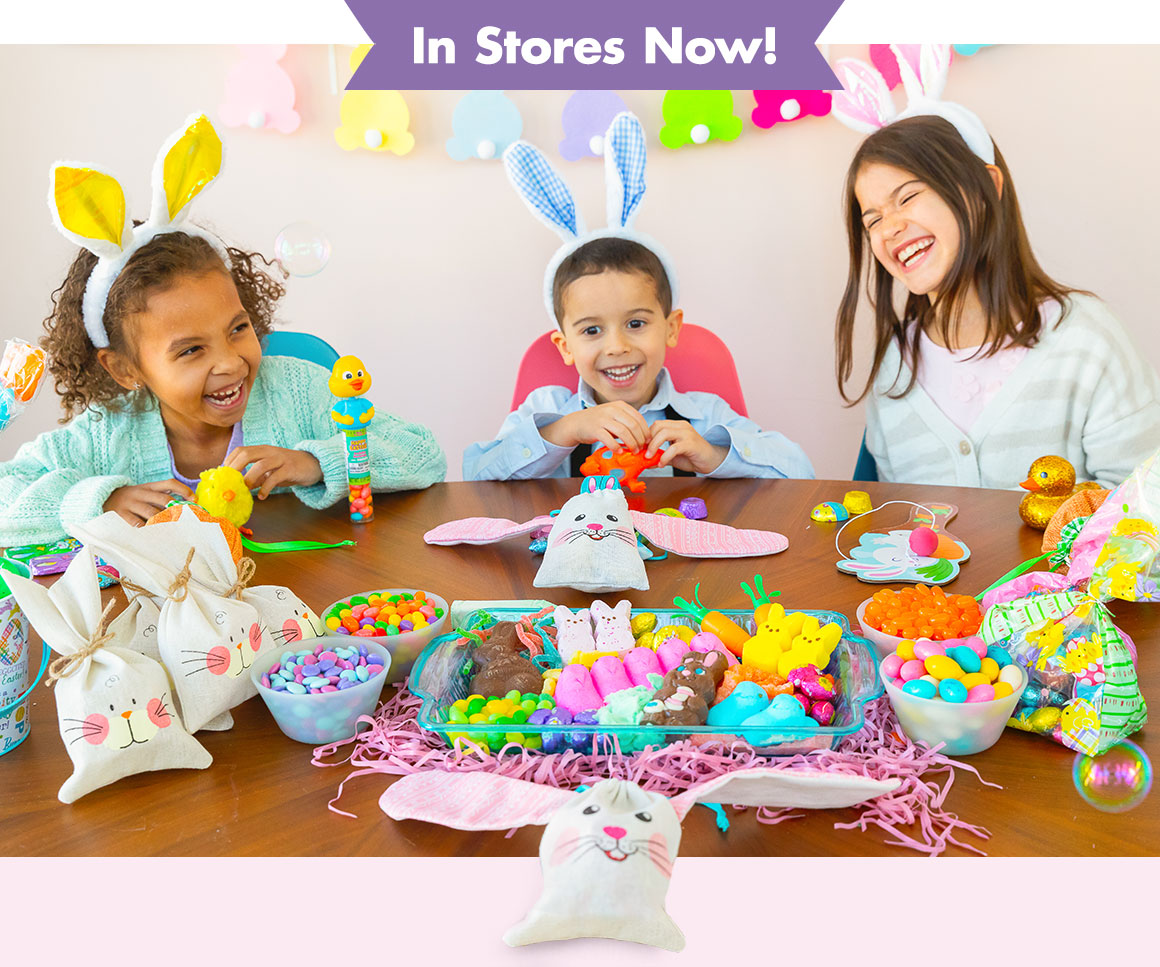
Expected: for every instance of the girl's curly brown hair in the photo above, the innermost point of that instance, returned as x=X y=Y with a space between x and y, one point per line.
x=80 y=379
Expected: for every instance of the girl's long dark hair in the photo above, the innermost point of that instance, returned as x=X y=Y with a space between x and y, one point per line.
x=994 y=254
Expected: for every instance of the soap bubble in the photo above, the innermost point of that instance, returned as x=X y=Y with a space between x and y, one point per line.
x=1117 y=780
x=302 y=249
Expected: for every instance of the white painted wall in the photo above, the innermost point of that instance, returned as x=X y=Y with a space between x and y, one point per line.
x=436 y=267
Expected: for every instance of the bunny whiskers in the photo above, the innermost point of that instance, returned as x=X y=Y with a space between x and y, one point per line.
x=914 y=815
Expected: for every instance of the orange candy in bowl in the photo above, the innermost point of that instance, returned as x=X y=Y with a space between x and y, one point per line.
x=917 y=611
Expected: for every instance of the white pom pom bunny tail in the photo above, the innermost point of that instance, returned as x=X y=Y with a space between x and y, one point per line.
x=542 y=189
x=865 y=103
x=624 y=167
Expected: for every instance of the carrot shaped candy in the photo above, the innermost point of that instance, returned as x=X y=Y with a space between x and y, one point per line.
x=731 y=633
x=760 y=599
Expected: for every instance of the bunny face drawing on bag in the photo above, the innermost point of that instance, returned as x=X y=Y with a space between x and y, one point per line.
x=592 y=545
x=123 y=725
x=232 y=659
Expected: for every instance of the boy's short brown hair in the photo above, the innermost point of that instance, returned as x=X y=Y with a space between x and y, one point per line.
x=610 y=255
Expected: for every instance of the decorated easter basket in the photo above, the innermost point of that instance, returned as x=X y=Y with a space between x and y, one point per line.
x=442 y=676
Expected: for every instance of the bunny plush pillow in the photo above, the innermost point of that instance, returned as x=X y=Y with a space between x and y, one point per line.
x=607 y=853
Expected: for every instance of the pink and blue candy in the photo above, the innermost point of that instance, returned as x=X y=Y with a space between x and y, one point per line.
x=322 y=670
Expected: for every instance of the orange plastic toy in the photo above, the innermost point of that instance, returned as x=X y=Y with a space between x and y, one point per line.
x=602 y=462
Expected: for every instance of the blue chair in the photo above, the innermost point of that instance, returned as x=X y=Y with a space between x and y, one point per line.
x=301 y=345
x=866 y=468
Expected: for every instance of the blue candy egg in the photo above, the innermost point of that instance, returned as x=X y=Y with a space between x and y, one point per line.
x=967 y=659
x=920 y=688
x=952 y=690
x=1002 y=658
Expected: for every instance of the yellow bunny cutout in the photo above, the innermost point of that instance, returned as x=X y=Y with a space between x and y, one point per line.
x=88 y=207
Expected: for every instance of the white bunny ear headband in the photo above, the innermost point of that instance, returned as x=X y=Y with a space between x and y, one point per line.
x=88 y=207
x=866 y=105
x=549 y=199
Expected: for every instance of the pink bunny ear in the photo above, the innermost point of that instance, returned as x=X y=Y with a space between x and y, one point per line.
x=700 y=538
x=923 y=68
x=482 y=530
x=865 y=103
x=782 y=788
x=472 y=800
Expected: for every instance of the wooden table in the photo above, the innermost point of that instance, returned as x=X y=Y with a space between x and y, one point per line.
x=262 y=784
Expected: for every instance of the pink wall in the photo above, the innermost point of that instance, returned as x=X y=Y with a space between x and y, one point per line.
x=436 y=266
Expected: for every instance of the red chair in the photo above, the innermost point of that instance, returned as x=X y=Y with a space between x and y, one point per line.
x=700 y=361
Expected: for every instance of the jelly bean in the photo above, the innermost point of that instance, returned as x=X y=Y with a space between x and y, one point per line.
x=296 y=688
x=920 y=688
x=1002 y=689
x=891 y=664
x=362 y=673
x=977 y=645
x=931 y=679
x=967 y=660
x=1012 y=675
x=972 y=679
x=925 y=648
x=983 y=692
x=942 y=667
x=905 y=649
x=911 y=670
x=952 y=691
x=1000 y=655
x=989 y=667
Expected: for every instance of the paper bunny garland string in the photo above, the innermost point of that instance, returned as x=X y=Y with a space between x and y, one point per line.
x=88 y=207
x=550 y=200
x=867 y=106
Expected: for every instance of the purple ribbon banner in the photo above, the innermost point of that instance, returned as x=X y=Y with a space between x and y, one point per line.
x=443 y=45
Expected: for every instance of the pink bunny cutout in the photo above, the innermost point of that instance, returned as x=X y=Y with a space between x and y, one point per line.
x=259 y=92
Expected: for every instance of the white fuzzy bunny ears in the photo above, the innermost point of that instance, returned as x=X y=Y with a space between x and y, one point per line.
x=866 y=105
x=88 y=206
x=550 y=200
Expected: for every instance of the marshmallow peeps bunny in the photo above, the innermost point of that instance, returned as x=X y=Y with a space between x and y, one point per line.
x=573 y=632
x=613 y=630
x=607 y=853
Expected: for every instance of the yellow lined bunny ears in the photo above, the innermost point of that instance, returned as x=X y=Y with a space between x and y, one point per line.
x=88 y=207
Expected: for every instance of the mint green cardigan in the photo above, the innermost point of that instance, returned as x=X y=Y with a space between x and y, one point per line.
x=64 y=477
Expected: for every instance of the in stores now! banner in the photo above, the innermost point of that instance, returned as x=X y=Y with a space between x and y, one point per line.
x=642 y=44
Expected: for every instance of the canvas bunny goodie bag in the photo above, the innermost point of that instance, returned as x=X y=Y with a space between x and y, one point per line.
x=207 y=637
x=113 y=703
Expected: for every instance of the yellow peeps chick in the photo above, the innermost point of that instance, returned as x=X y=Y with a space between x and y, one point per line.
x=222 y=492
x=350 y=378
x=813 y=646
x=773 y=637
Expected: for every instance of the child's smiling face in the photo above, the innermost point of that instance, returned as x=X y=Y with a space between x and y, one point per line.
x=196 y=351
x=615 y=332
x=912 y=231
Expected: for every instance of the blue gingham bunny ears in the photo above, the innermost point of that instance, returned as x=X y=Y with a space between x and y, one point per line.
x=549 y=199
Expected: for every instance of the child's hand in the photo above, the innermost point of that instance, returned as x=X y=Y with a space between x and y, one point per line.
x=272 y=467
x=688 y=450
x=138 y=503
x=606 y=424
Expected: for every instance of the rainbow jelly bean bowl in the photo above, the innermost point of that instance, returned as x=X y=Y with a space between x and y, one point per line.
x=402 y=620
x=316 y=694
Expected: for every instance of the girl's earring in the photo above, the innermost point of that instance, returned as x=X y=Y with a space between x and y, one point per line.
x=136 y=386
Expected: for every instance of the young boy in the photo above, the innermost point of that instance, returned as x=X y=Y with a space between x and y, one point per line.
x=613 y=304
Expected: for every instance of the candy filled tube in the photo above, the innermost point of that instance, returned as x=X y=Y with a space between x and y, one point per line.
x=349 y=380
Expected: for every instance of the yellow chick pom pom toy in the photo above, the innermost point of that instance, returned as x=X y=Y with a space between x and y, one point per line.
x=1051 y=481
x=223 y=492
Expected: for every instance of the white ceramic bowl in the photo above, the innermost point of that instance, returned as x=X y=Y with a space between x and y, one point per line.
x=965 y=728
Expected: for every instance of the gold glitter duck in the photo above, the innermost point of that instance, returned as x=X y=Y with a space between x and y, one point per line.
x=1050 y=480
